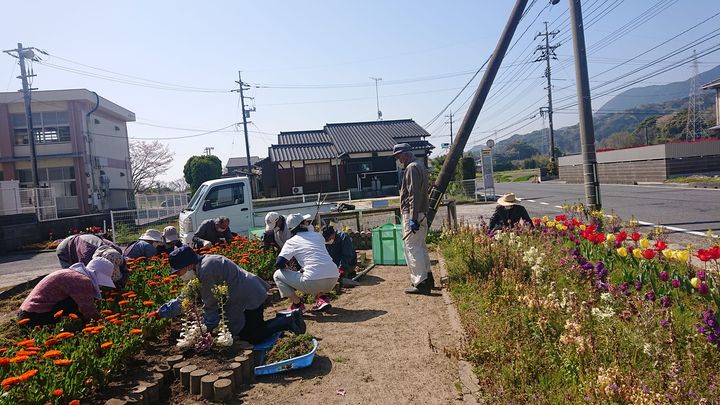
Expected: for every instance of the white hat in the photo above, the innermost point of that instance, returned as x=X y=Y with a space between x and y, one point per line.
x=170 y=234
x=293 y=220
x=103 y=269
x=152 y=235
x=508 y=200
x=270 y=220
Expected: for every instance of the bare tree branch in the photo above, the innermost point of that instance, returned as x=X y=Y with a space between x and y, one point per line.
x=148 y=161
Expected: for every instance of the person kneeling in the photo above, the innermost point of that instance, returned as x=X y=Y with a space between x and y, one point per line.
x=318 y=273
x=245 y=302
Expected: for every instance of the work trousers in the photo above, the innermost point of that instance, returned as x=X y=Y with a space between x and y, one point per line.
x=288 y=281
x=416 y=251
x=257 y=329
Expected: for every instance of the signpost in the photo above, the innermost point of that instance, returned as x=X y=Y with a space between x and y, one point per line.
x=487 y=169
x=445 y=145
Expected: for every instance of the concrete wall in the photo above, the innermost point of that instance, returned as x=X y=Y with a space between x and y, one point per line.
x=14 y=235
x=620 y=172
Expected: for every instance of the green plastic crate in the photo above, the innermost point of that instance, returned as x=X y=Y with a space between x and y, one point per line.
x=387 y=245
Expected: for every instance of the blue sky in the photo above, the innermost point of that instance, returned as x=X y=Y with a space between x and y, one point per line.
x=312 y=61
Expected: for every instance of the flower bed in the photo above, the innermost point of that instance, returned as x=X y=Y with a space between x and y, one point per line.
x=60 y=364
x=567 y=313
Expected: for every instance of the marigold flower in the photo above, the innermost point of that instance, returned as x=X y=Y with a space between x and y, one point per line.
x=173 y=291
x=63 y=362
x=58 y=314
x=73 y=316
x=26 y=353
x=134 y=316
x=148 y=303
x=4 y=362
x=64 y=335
x=28 y=374
x=106 y=312
x=106 y=345
x=117 y=321
x=57 y=392
x=74 y=402
x=19 y=359
x=9 y=382
x=136 y=331
x=123 y=302
x=27 y=342
x=23 y=321
x=110 y=299
x=51 y=354
x=133 y=295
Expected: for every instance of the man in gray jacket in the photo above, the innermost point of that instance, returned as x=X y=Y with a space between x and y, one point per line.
x=212 y=231
x=245 y=301
x=414 y=206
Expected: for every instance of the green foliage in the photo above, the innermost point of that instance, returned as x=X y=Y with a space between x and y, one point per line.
x=467 y=167
x=199 y=169
x=289 y=347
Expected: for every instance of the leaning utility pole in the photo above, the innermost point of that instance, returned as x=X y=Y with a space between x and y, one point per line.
x=547 y=52
x=587 y=131
x=458 y=145
x=377 y=97
x=450 y=121
x=245 y=115
x=22 y=54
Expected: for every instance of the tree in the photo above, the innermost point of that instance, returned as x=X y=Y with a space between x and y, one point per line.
x=148 y=161
x=199 y=169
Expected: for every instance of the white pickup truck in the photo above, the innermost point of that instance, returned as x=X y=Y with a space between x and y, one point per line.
x=231 y=197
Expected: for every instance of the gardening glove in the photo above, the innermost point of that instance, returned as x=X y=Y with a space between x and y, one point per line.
x=207 y=243
x=414 y=225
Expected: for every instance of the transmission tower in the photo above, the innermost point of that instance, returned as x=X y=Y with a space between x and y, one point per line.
x=547 y=52
x=695 y=124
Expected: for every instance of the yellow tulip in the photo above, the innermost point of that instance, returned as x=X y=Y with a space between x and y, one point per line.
x=668 y=253
x=682 y=255
x=559 y=226
x=545 y=218
x=637 y=253
x=622 y=251
x=582 y=227
x=610 y=237
x=695 y=282
x=644 y=243
x=551 y=224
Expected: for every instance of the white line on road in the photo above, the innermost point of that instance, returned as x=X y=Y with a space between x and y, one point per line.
x=531 y=200
x=544 y=203
x=557 y=206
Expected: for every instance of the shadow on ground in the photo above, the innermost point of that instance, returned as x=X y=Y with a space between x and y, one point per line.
x=342 y=315
x=321 y=366
x=369 y=279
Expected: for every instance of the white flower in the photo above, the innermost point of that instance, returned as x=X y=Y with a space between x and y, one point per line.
x=602 y=315
x=606 y=297
x=224 y=338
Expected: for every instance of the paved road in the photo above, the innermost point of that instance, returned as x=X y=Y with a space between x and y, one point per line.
x=690 y=211
x=21 y=267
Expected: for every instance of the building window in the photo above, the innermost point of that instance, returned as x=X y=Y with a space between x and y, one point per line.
x=315 y=173
x=62 y=179
x=48 y=127
x=359 y=167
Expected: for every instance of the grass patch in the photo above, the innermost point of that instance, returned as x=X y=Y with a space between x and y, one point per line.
x=515 y=175
x=695 y=179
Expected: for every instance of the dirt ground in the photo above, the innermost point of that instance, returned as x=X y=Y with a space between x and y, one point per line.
x=377 y=345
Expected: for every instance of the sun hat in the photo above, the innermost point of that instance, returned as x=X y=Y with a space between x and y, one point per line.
x=270 y=220
x=182 y=257
x=170 y=234
x=401 y=148
x=152 y=235
x=109 y=252
x=508 y=200
x=293 y=220
x=103 y=270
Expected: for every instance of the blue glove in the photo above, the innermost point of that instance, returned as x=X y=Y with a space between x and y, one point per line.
x=414 y=225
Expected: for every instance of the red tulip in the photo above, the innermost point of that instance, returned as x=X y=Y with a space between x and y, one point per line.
x=660 y=245
x=648 y=254
x=621 y=236
x=635 y=236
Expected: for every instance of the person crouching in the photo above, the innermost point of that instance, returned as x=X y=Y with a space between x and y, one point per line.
x=318 y=273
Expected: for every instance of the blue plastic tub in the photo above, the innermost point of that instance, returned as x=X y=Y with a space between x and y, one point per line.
x=285 y=365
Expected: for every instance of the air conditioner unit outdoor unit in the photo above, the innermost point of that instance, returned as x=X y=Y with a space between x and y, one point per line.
x=297 y=190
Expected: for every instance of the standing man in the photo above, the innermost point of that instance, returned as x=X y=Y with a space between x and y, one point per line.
x=414 y=206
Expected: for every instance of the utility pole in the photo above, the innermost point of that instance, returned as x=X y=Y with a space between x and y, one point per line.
x=694 y=129
x=22 y=54
x=587 y=130
x=245 y=114
x=208 y=150
x=377 y=97
x=458 y=146
x=450 y=121
x=547 y=52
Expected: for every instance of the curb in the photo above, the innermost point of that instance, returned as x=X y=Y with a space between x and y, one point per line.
x=22 y=287
x=467 y=377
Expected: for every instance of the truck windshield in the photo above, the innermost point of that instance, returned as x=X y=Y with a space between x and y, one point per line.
x=195 y=198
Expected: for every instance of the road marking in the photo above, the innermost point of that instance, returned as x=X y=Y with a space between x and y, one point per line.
x=645 y=223
x=531 y=200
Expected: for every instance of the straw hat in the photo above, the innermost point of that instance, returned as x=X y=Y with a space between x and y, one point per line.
x=508 y=200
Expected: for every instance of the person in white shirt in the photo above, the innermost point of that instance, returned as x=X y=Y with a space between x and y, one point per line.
x=318 y=273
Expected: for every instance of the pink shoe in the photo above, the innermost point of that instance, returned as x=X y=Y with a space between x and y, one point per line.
x=299 y=306
x=321 y=304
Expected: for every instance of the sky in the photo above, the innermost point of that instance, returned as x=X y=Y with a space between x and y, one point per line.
x=173 y=63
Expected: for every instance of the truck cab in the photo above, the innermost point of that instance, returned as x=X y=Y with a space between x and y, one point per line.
x=229 y=197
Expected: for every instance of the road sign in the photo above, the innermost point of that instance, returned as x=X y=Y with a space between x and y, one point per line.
x=445 y=145
x=487 y=168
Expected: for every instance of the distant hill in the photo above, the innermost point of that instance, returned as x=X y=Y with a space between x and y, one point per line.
x=622 y=115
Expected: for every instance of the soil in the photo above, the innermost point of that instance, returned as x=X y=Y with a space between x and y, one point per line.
x=376 y=345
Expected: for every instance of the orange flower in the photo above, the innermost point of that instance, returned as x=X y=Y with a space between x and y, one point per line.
x=133 y=295
x=123 y=302
x=51 y=354
x=106 y=312
x=51 y=342
x=173 y=291
x=136 y=331
x=57 y=392
x=73 y=316
x=74 y=402
x=4 y=362
x=23 y=321
x=64 y=335
x=111 y=317
x=134 y=316
x=27 y=375
x=117 y=321
x=63 y=362
x=3 y=350
x=25 y=353
x=110 y=299
x=18 y=359
x=148 y=303
x=28 y=342
x=58 y=314
x=9 y=382
x=106 y=345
